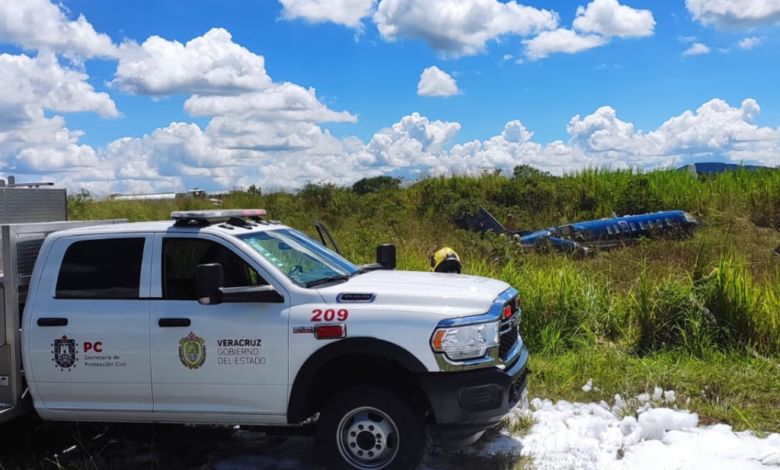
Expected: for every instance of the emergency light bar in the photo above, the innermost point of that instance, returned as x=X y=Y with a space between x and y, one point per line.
x=218 y=214
x=206 y=217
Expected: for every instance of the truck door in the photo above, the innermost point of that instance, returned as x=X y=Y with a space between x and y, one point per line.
x=88 y=325
x=226 y=358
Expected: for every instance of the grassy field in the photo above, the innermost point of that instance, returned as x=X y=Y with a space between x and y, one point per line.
x=680 y=314
x=700 y=316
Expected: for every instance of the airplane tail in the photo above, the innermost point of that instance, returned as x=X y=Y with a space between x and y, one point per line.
x=485 y=222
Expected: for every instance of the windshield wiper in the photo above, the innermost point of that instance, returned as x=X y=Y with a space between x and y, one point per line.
x=338 y=277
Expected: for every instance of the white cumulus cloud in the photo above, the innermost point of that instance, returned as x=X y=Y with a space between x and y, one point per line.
x=459 y=27
x=345 y=12
x=256 y=122
x=284 y=102
x=735 y=14
x=176 y=150
x=714 y=128
x=436 y=82
x=267 y=133
x=31 y=142
x=271 y=137
x=750 y=43
x=232 y=152
x=38 y=145
x=610 y=18
x=697 y=49
x=599 y=139
x=222 y=77
x=208 y=64
x=561 y=40
x=594 y=25
x=717 y=126
x=45 y=145
x=512 y=147
x=413 y=141
x=41 y=25
x=33 y=83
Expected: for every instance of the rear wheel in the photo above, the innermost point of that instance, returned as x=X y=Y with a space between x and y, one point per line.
x=368 y=428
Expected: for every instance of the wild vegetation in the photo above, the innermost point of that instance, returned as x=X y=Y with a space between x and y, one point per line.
x=700 y=316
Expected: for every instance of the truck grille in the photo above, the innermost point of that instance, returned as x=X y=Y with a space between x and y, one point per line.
x=508 y=334
x=508 y=338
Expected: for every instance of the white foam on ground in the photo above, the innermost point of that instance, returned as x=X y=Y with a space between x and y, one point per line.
x=635 y=434
x=588 y=386
x=589 y=436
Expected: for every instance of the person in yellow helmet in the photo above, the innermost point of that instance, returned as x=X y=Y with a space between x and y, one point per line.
x=446 y=261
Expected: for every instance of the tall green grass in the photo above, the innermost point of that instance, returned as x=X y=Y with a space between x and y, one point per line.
x=719 y=290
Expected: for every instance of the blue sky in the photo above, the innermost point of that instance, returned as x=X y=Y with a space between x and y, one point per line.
x=508 y=81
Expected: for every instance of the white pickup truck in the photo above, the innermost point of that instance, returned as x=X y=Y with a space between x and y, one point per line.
x=223 y=317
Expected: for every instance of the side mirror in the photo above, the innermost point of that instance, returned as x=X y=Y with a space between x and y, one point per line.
x=210 y=288
x=385 y=255
x=209 y=279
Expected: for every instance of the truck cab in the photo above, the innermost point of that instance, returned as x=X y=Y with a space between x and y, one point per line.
x=225 y=317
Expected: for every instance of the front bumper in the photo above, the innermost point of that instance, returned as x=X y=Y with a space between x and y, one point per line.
x=468 y=403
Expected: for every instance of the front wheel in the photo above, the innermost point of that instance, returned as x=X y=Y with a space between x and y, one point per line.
x=367 y=428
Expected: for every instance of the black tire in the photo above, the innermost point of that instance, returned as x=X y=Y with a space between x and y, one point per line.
x=403 y=451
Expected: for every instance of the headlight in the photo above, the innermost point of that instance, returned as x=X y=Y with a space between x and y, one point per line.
x=466 y=342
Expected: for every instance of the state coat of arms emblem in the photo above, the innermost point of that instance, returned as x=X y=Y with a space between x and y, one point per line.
x=192 y=351
x=64 y=350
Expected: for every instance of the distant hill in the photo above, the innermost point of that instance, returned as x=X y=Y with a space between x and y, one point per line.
x=718 y=167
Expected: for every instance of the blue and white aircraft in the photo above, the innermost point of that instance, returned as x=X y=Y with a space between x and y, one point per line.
x=583 y=236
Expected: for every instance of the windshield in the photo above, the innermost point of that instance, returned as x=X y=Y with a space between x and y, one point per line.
x=299 y=256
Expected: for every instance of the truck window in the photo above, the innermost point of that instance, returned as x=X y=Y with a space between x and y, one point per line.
x=297 y=255
x=101 y=269
x=181 y=256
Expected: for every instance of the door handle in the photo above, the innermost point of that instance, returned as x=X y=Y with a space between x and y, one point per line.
x=169 y=322
x=52 y=322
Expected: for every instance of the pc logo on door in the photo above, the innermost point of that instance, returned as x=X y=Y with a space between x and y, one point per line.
x=64 y=351
x=192 y=351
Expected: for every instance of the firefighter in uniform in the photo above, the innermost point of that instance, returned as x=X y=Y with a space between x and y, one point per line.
x=446 y=261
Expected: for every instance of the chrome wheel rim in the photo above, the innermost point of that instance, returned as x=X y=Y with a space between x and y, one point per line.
x=367 y=438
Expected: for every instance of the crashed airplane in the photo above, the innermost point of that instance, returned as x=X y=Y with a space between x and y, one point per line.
x=583 y=237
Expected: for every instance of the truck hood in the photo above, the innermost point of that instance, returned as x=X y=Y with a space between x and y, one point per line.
x=448 y=294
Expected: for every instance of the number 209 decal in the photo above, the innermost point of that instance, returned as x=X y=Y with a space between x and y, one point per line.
x=329 y=315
